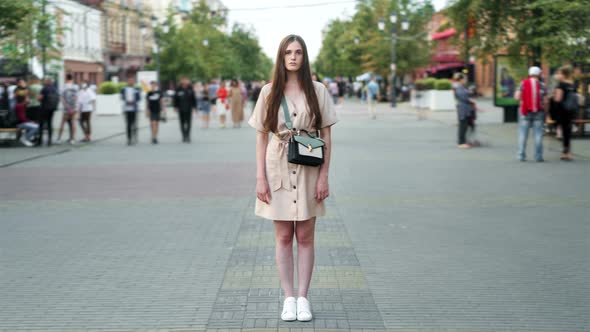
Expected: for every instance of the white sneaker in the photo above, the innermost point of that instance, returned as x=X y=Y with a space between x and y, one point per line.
x=289 y=310
x=58 y=142
x=303 y=310
x=25 y=141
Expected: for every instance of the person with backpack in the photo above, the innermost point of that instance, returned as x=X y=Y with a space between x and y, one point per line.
x=69 y=99
x=49 y=98
x=567 y=107
x=531 y=94
x=130 y=95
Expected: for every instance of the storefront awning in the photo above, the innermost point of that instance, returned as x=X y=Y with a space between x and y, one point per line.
x=446 y=66
x=444 y=34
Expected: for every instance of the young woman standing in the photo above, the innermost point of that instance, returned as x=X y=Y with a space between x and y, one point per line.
x=289 y=194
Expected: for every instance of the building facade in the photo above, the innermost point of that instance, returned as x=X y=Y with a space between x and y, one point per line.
x=126 y=36
x=449 y=57
x=81 y=40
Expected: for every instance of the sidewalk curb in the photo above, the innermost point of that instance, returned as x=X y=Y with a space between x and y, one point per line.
x=65 y=150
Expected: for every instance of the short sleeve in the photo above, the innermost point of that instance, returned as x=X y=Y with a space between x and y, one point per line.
x=259 y=113
x=329 y=117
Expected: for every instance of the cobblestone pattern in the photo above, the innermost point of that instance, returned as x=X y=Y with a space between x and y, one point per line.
x=250 y=295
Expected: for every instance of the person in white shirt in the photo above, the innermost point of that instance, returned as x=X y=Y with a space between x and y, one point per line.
x=86 y=105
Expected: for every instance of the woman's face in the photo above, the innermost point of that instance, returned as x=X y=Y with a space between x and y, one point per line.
x=293 y=56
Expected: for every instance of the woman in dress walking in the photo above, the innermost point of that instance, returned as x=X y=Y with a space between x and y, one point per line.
x=236 y=104
x=292 y=195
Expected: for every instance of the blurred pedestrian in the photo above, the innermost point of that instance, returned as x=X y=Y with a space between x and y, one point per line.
x=212 y=89
x=184 y=104
x=21 y=89
x=222 y=104
x=69 y=101
x=11 y=96
x=341 y=89
x=23 y=122
x=333 y=86
x=531 y=94
x=465 y=110
x=4 y=97
x=292 y=195
x=86 y=105
x=131 y=95
x=372 y=92
x=563 y=94
x=154 y=102
x=205 y=107
x=34 y=105
x=236 y=104
x=49 y=103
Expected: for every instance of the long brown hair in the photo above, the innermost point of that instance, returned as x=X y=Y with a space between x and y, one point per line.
x=279 y=82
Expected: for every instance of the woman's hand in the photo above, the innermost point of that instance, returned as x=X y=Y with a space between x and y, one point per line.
x=322 y=190
x=263 y=190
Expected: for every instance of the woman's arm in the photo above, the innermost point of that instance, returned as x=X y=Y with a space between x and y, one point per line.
x=322 y=187
x=262 y=188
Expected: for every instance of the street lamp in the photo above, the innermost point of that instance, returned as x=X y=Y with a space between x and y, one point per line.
x=405 y=26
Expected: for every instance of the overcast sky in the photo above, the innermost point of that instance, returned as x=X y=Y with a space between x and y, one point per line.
x=272 y=25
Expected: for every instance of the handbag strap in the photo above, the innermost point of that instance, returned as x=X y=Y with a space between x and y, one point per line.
x=288 y=122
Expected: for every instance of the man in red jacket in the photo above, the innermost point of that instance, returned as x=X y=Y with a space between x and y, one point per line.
x=531 y=95
x=29 y=126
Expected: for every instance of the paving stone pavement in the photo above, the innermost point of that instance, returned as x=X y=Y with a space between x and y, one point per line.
x=419 y=236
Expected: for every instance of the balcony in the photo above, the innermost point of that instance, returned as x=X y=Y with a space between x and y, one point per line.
x=117 y=47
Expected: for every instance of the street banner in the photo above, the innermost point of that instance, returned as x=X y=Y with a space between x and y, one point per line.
x=509 y=72
x=145 y=77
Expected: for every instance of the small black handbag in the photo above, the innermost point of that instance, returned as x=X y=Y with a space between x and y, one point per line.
x=304 y=149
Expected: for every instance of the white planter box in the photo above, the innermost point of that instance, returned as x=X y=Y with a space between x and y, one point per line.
x=442 y=100
x=421 y=99
x=108 y=104
x=112 y=104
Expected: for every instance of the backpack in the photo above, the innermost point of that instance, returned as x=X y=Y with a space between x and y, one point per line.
x=52 y=100
x=70 y=97
x=571 y=103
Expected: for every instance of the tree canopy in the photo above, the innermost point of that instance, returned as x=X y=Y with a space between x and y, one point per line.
x=542 y=30
x=352 y=47
x=236 y=54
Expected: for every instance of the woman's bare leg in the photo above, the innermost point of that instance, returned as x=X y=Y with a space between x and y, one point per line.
x=305 y=233
x=284 y=231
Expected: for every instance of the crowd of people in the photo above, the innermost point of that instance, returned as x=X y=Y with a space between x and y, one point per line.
x=34 y=104
x=220 y=98
x=536 y=102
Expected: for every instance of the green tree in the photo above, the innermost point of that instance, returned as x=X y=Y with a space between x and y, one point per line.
x=356 y=46
x=554 y=31
x=33 y=36
x=184 y=51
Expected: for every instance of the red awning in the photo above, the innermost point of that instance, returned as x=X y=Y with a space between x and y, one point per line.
x=445 y=34
x=445 y=66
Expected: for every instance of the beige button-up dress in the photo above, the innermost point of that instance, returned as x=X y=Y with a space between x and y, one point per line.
x=292 y=186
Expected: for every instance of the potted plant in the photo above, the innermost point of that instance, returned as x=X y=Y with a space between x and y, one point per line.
x=442 y=97
x=108 y=99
